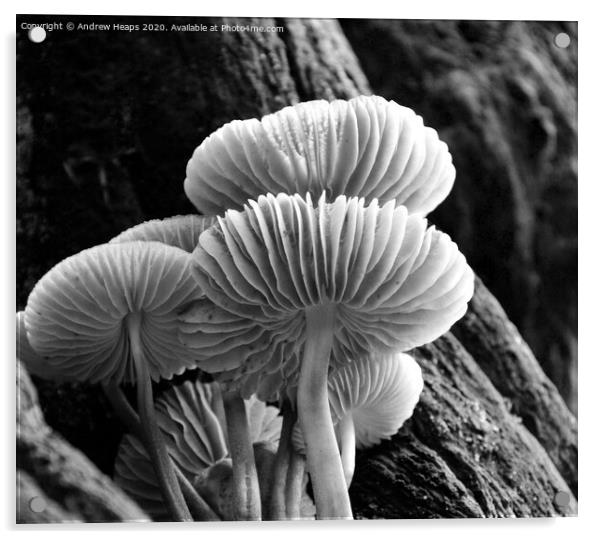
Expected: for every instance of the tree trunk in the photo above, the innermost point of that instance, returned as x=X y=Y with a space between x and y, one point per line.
x=87 y=172
x=500 y=351
x=56 y=482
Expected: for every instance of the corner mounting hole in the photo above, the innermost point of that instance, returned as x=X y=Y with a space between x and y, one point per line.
x=37 y=504
x=561 y=499
x=37 y=34
x=562 y=40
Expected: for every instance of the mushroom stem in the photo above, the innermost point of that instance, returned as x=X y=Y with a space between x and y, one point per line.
x=294 y=485
x=123 y=409
x=162 y=464
x=245 y=483
x=277 y=496
x=200 y=509
x=346 y=430
x=323 y=460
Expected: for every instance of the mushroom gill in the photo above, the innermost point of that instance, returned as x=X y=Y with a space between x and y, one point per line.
x=181 y=231
x=109 y=314
x=191 y=417
x=370 y=399
x=367 y=147
x=79 y=315
x=294 y=291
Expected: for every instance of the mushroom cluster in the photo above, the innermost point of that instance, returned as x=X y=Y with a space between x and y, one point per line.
x=309 y=272
x=192 y=418
x=370 y=399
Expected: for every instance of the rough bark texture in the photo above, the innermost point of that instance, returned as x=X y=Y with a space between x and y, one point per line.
x=106 y=125
x=504 y=98
x=500 y=351
x=61 y=479
x=462 y=444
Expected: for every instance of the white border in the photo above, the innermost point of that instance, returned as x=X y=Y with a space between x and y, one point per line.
x=590 y=222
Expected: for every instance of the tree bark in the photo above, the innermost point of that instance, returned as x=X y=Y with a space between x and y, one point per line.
x=498 y=348
x=55 y=481
x=463 y=453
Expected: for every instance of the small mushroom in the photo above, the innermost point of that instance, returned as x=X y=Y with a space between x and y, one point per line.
x=367 y=147
x=370 y=399
x=109 y=314
x=181 y=231
x=293 y=291
x=192 y=419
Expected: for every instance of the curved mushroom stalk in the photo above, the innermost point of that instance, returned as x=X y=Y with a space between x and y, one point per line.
x=295 y=486
x=192 y=419
x=370 y=399
x=346 y=439
x=340 y=280
x=323 y=460
x=184 y=417
x=162 y=463
x=297 y=477
x=199 y=508
x=246 y=494
x=109 y=314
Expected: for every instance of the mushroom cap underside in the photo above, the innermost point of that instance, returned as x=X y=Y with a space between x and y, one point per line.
x=396 y=284
x=34 y=363
x=191 y=417
x=181 y=231
x=379 y=394
x=77 y=315
x=367 y=147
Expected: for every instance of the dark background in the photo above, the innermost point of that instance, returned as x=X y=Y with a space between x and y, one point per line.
x=106 y=122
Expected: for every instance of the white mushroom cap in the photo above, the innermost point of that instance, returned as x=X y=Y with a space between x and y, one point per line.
x=380 y=392
x=181 y=231
x=395 y=284
x=76 y=315
x=191 y=416
x=367 y=147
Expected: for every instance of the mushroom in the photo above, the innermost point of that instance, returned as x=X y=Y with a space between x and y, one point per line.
x=183 y=232
x=370 y=399
x=31 y=359
x=277 y=500
x=191 y=416
x=293 y=291
x=367 y=147
x=109 y=314
x=180 y=231
x=296 y=484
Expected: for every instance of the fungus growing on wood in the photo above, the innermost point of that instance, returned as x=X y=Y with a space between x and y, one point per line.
x=367 y=147
x=326 y=284
x=109 y=314
x=181 y=231
x=191 y=417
